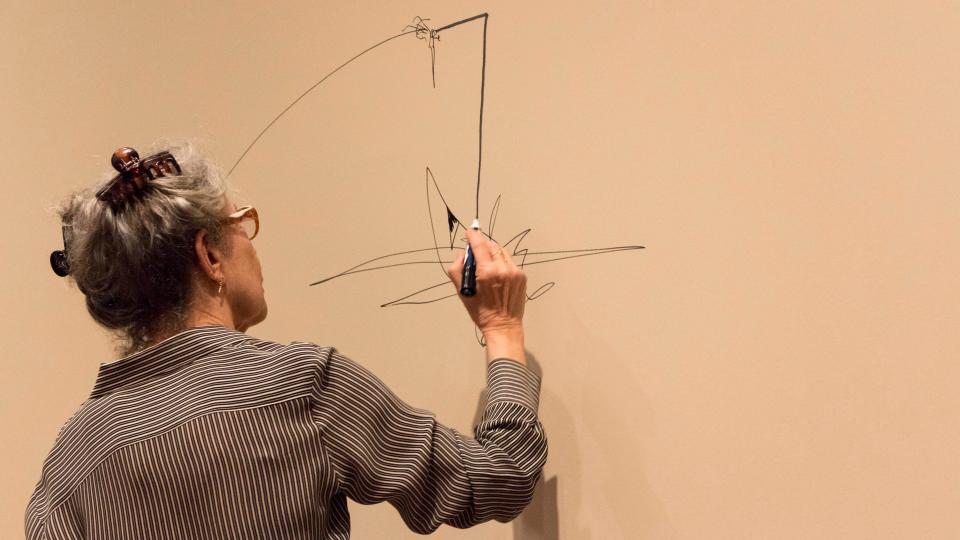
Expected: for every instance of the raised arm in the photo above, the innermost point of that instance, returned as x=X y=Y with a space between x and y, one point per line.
x=384 y=450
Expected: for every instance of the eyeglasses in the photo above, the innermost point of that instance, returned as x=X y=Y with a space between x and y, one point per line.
x=248 y=219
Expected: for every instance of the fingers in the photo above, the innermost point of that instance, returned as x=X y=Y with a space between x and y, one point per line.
x=508 y=259
x=480 y=246
x=486 y=251
x=502 y=258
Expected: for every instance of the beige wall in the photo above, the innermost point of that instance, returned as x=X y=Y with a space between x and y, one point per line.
x=780 y=362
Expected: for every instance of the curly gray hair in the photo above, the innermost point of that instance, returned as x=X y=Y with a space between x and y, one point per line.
x=135 y=265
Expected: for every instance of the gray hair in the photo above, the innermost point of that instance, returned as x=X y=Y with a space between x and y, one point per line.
x=135 y=265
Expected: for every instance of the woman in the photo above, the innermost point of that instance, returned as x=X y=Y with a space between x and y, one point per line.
x=202 y=431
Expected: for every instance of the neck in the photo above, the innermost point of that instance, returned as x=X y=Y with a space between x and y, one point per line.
x=211 y=310
x=204 y=310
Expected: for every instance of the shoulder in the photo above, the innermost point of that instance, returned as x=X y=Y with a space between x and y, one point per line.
x=297 y=367
x=269 y=347
x=295 y=356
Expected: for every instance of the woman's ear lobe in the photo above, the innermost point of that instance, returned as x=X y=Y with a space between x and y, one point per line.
x=208 y=254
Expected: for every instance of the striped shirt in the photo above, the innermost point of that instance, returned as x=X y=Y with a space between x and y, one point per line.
x=216 y=434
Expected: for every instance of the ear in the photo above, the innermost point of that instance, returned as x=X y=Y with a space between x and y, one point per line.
x=209 y=256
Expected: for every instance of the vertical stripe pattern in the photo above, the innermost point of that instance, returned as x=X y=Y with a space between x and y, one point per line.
x=215 y=434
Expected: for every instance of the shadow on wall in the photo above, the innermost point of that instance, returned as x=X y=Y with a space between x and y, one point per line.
x=540 y=521
x=596 y=425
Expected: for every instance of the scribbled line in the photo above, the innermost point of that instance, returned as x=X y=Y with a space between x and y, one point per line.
x=363 y=267
x=527 y=257
x=543 y=289
x=429 y=35
x=422 y=31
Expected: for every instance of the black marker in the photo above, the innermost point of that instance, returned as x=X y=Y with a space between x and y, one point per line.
x=468 y=283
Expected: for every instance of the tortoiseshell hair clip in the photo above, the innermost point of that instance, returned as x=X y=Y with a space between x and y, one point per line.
x=135 y=174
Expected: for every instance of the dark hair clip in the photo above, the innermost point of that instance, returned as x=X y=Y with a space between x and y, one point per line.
x=135 y=174
x=58 y=259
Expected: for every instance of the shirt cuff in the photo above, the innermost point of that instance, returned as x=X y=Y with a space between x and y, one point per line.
x=511 y=381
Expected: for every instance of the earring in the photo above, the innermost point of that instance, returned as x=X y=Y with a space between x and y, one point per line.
x=220 y=288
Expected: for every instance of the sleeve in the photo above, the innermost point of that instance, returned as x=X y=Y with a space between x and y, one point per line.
x=33 y=519
x=385 y=450
x=45 y=523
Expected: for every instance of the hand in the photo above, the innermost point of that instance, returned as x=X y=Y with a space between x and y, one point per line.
x=501 y=287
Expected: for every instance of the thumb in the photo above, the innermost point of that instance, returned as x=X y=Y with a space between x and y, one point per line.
x=455 y=270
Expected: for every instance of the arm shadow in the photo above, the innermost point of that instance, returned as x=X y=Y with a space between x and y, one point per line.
x=540 y=521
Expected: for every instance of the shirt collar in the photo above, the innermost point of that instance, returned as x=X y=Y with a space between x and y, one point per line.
x=164 y=357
